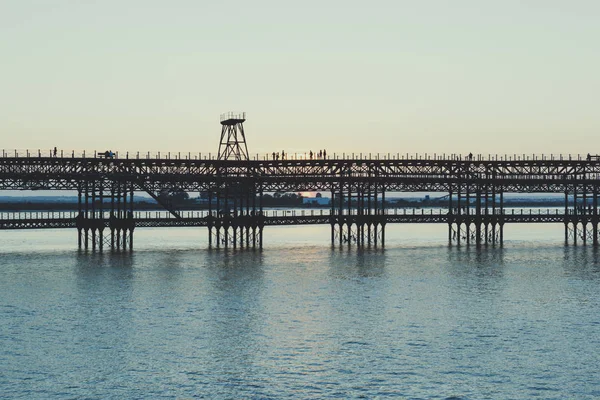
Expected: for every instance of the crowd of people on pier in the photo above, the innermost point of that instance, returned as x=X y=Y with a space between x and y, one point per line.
x=321 y=155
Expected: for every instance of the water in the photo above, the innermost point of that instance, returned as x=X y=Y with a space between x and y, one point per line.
x=419 y=320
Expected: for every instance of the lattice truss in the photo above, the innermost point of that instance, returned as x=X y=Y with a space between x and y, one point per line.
x=303 y=175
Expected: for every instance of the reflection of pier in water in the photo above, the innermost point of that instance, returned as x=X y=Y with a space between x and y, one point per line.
x=475 y=209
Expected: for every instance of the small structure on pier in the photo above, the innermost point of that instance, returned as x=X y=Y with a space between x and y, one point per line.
x=233 y=140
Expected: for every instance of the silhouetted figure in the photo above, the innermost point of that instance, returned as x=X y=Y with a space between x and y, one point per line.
x=106 y=154
x=277 y=156
x=55 y=152
x=320 y=153
x=311 y=154
x=324 y=153
x=470 y=156
x=282 y=154
x=273 y=155
x=589 y=156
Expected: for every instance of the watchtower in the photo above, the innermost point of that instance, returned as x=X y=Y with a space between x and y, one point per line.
x=233 y=141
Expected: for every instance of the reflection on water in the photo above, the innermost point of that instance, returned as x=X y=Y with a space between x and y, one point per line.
x=582 y=262
x=357 y=263
x=300 y=320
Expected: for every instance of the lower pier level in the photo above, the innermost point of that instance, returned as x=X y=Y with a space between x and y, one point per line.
x=246 y=231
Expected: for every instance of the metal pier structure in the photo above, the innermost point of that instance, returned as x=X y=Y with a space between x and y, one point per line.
x=358 y=185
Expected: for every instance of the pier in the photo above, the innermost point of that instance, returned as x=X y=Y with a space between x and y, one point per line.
x=358 y=184
x=358 y=189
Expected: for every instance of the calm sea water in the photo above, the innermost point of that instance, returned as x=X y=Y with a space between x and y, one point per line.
x=299 y=320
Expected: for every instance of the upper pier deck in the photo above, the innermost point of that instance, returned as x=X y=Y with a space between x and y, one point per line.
x=396 y=173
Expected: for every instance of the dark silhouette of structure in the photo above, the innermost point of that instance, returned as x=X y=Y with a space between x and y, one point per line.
x=234 y=184
x=233 y=140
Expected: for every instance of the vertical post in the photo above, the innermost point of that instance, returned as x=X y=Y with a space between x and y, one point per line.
x=566 y=217
x=210 y=219
x=384 y=220
x=236 y=218
x=331 y=215
x=575 y=215
x=595 y=216
x=227 y=218
x=249 y=223
x=449 y=215
x=341 y=210
x=219 y=219
x=86 y=227
x=254 y=217
x=93 y=215
x=478 y=216
x=486 y=216
x=131 y=221
x=112 y=216
x=101 y=215
x=349 y=212
x=458 y=214
x=502 y=216
x=494 y=216
x=260 y=229
x=468 y=209
x=123 y=214
x=376 y=212
x=584 y=212
x=79 y=216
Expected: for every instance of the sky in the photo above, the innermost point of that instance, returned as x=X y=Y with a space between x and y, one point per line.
x=487 y=77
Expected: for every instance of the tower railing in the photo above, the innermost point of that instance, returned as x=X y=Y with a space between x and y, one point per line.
x=233 y=116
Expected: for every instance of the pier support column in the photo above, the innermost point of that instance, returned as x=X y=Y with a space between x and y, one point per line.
x=566 y=217
x=478 y=217
x=501 y=218
x=595 y=216
x=575 y=215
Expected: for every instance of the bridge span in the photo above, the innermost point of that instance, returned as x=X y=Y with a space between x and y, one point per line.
x=475 y=188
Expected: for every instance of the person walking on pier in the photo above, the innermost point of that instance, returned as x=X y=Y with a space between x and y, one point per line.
x=470 y=156
x=324 y=154
x=273 y=156
x=55 y=151
x=311 y=154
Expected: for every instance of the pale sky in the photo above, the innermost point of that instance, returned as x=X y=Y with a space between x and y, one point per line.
x=349 y=76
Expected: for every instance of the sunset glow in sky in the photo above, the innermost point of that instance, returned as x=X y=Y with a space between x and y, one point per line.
x=429 y=76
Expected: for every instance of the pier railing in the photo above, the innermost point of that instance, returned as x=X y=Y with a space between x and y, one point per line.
x=149 y=215
x=274 y=156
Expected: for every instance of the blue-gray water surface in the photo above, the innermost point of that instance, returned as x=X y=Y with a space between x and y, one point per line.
x=299 y=320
